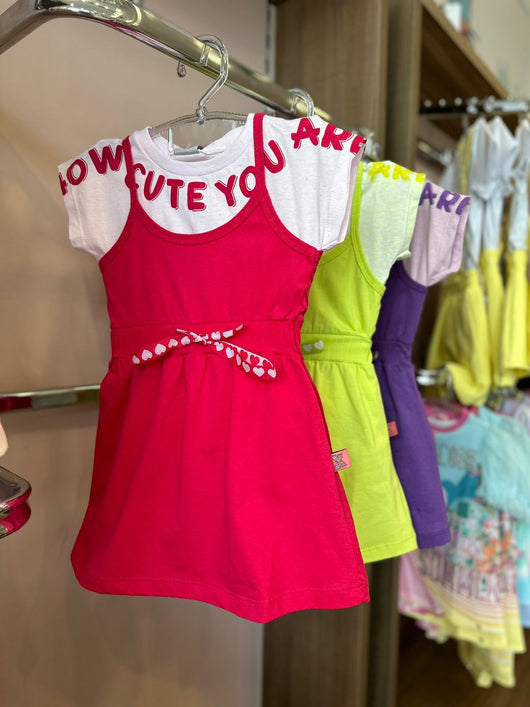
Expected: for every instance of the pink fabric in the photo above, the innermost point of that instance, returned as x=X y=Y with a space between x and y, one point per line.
x=208 y=483
x=437 y=241
x=414 y=597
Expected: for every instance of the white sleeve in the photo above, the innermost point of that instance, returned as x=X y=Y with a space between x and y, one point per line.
x=438 y=237
x=96 y=198
x=503 y=148
x=518 y=232
x=312 y=194
x=480 y=189
x=389 y=203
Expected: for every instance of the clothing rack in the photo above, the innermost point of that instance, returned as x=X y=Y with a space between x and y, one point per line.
x=474 y=107
x=26 y=15
x=54 y=397
x=441 y=157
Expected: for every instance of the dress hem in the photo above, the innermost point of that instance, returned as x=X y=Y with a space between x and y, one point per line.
x=389 y=550
x=259 y=611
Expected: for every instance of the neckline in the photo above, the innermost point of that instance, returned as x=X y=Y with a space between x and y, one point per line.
x=234 y=150
x=137 y=211
x=194 y=238
x=259 y=195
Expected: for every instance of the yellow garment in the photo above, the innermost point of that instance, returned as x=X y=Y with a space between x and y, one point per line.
x=495 y=627
x=514 y=360
x=494 y=288
x=344 y=303
x=460 y=338
x=488 y=666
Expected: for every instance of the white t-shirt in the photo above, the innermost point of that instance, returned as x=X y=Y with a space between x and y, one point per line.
x=310 y=169
x=389 y=203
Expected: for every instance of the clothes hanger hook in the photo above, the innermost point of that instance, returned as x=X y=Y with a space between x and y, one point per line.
x=304 y=95
x=210 y=41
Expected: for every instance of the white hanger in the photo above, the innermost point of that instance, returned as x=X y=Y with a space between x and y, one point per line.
x=201 y=115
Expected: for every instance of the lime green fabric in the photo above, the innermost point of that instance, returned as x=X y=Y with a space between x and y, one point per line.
x=344 y=303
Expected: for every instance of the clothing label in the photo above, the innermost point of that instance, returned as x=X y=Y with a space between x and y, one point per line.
x=392 y=429
x=341 y=459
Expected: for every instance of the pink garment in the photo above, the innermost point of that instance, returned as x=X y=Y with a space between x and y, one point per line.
x=414 y=597
x=436 y=246
x=213 y=478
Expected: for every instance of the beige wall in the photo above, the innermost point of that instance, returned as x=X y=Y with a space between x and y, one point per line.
x=63 y=87
x=501 y=36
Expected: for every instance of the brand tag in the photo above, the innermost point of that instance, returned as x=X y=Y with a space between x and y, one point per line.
x=341 y=459
x=392 y=429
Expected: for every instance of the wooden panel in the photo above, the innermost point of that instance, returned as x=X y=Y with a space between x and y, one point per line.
x=404 y=54
x=384 y=635
x=428 y=60
x=337 y=50
x=450 y=68
x=317 y=659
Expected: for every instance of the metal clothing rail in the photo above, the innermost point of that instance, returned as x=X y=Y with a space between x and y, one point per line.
x=123 y=15
x=441 y=157
x=473 y=107
x=55 y=397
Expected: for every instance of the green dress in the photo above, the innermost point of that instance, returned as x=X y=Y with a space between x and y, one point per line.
x=344 y=303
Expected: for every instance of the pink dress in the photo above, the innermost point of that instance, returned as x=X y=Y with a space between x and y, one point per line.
x=213 y=478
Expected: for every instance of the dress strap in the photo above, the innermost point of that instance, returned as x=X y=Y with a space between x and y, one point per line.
x=130 y=170
x=259 y=149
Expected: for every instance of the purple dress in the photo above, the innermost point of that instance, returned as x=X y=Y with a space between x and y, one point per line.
x=412 y=442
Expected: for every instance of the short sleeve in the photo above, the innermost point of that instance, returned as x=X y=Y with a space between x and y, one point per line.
x=97 y=201
x=389 y=203
x=437 y=241
x=312 y=192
